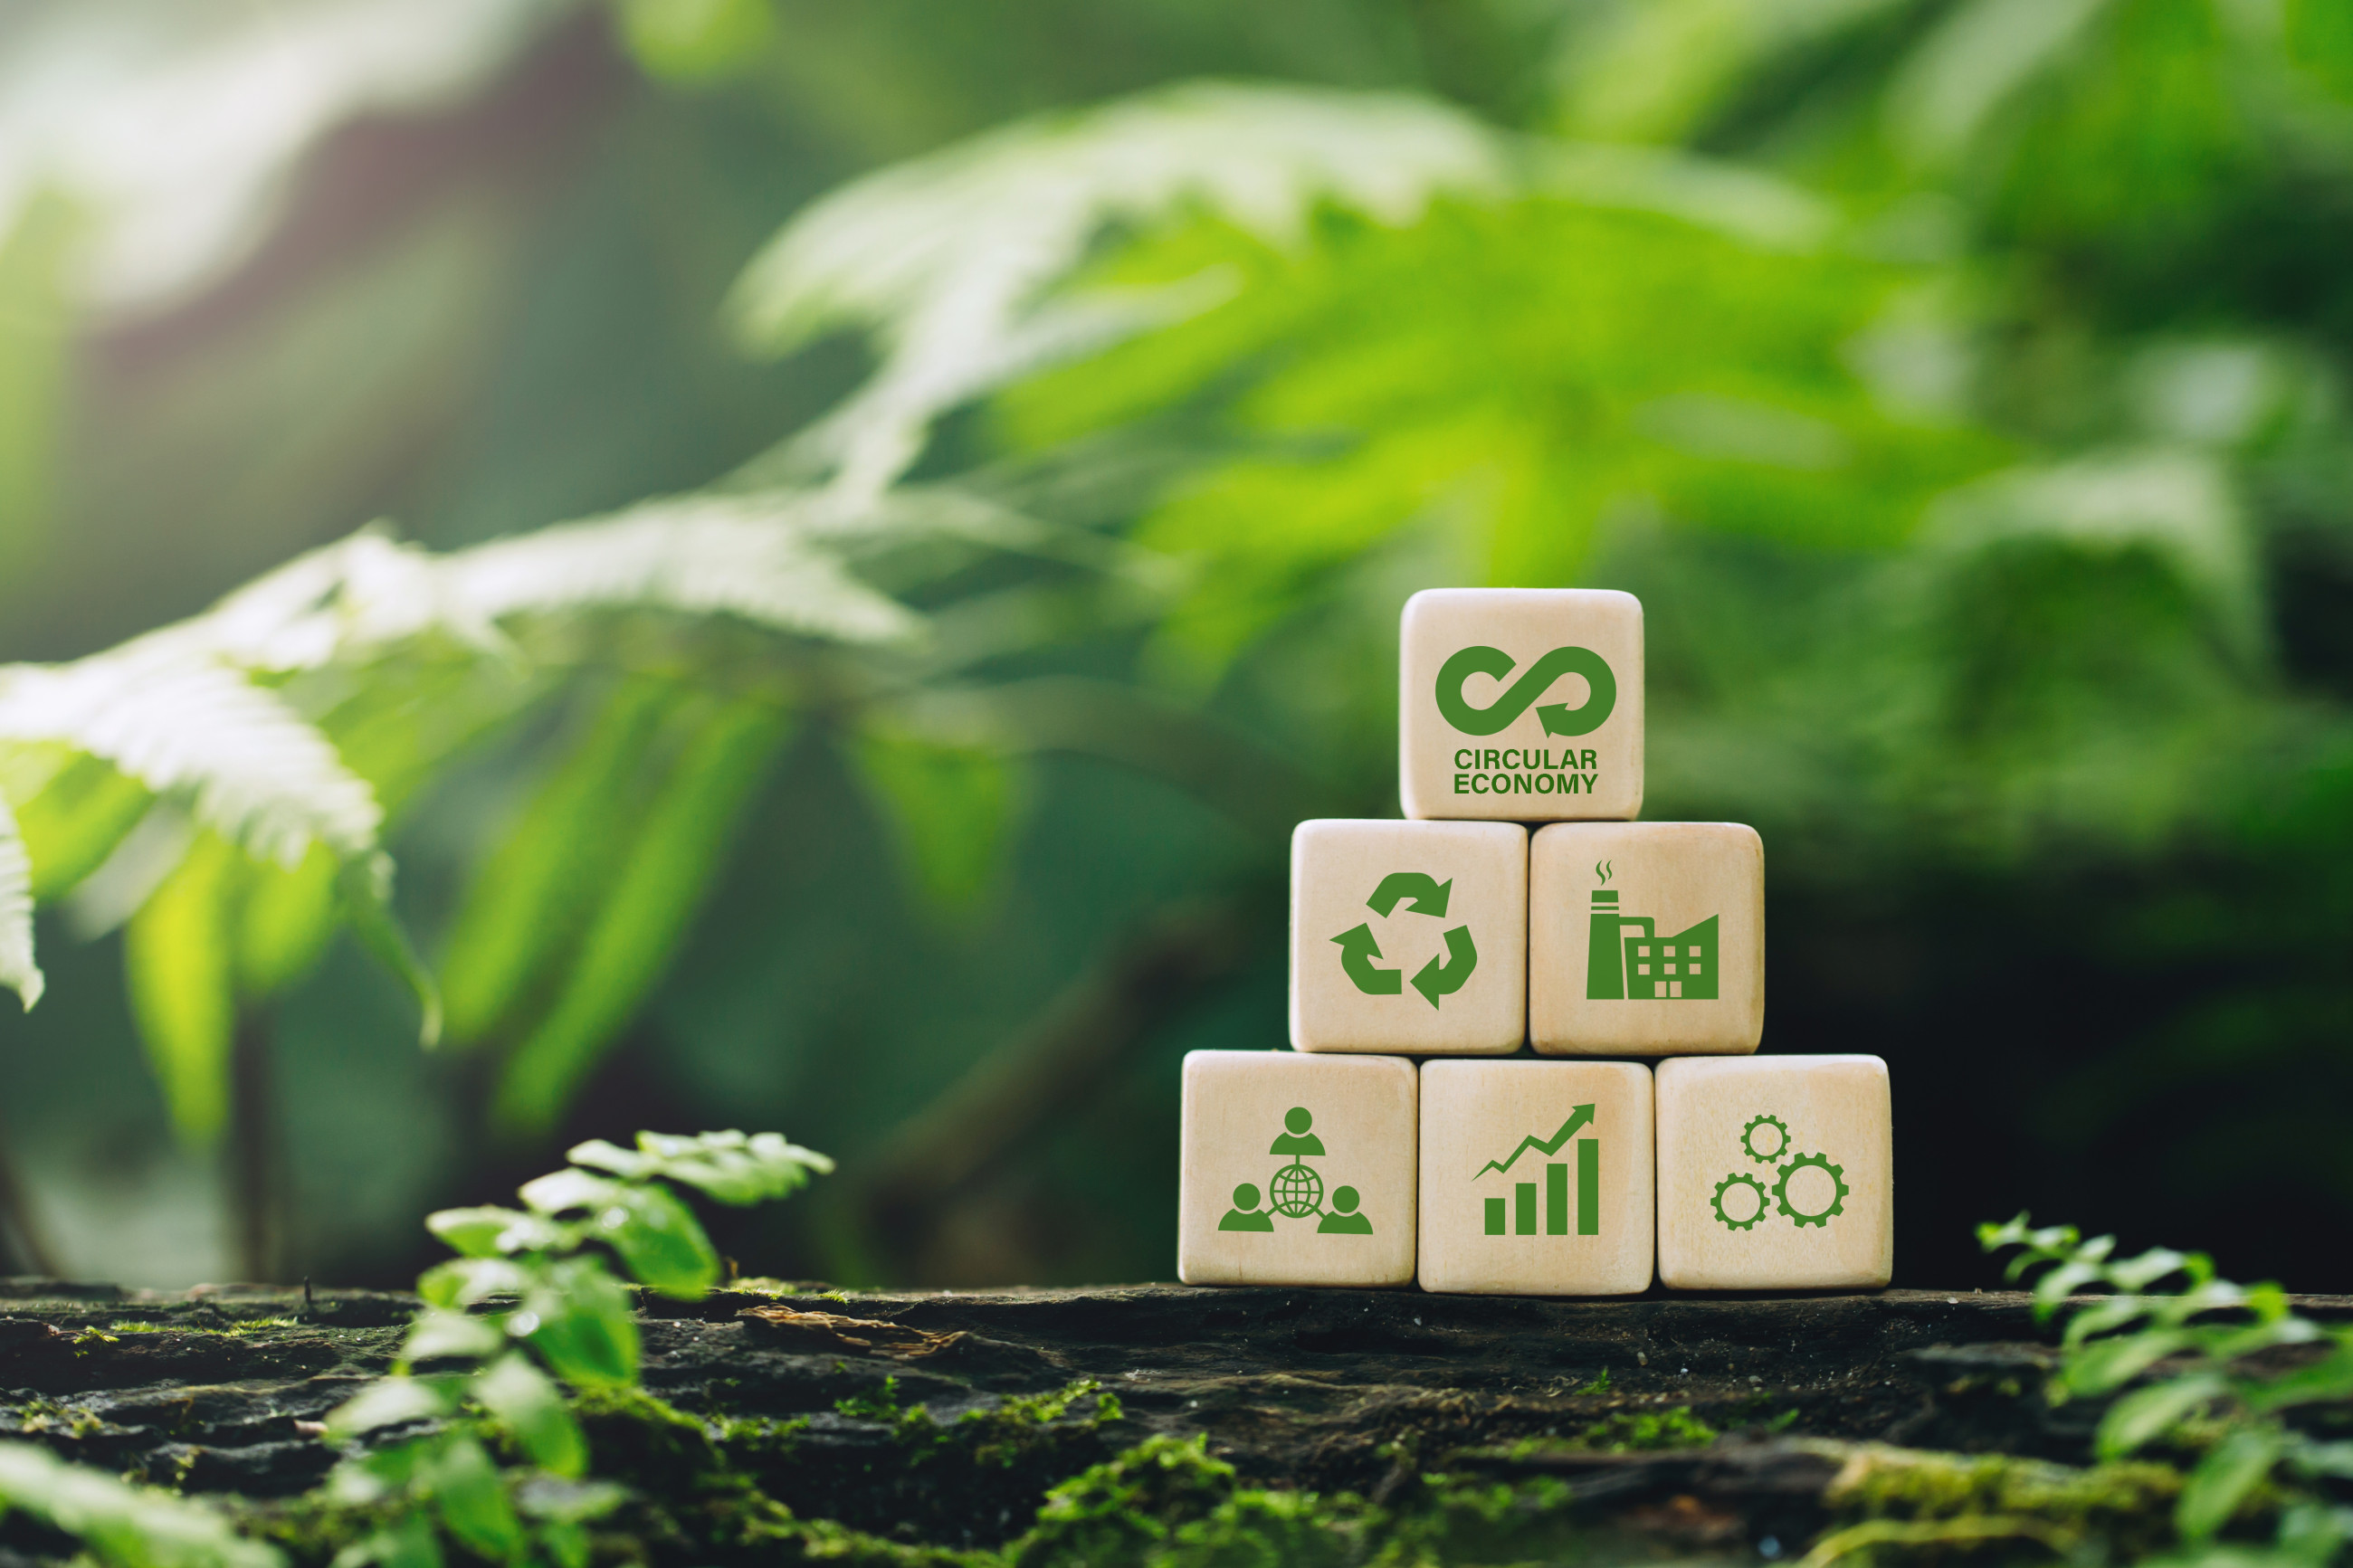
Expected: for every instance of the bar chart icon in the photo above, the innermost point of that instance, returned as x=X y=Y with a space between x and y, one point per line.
x=1517 y=1215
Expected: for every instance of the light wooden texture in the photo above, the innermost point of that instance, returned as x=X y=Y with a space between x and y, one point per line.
x=1710 y=1135
x=1357 y=1147
x=1618 y=897
x=1344 y=871
x=1578 y=1220
x=1520 y=771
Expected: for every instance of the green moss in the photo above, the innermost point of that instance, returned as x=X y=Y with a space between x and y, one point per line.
x=636 y=1437
x=1620 y=1432
x=1003 y=1433
x=1121 y=1510
x=2128 y=1506
x=999 y=1434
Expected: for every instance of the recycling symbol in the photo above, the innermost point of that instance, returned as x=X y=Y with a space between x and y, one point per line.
x=1741 y=1198
x=1438 y=977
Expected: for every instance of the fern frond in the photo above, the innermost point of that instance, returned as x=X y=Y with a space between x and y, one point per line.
x=18 y=970
x=952 y=257
x=768 y=556
x=182 y=723
x=2177 y=504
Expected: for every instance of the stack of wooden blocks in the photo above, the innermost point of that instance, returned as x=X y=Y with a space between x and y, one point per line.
x=1518 y=1157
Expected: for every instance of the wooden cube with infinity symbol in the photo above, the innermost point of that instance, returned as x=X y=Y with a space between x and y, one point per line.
x=1408 y=936
x=1296 y=1170
x=1774 y=1174
x=1521 y=705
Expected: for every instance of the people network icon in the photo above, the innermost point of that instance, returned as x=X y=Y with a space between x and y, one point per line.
x=1296 y=1191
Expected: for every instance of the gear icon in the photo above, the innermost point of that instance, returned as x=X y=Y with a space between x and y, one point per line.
x=1748 y=1139
x=1739 y=1178
x=1837 y=1175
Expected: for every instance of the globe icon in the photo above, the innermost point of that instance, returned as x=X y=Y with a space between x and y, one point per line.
x=1296 y=1191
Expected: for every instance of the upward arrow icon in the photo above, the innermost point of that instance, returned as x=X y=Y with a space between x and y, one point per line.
x=1579 y=1117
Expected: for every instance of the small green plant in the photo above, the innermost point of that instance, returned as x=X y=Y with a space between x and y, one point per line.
x=571 y=1319
x=119 y=1524
x=2199 y=1368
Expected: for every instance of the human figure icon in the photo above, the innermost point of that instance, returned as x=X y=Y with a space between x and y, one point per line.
x=1245 y=1214
x=1343 y=1219
x=1297 y=1141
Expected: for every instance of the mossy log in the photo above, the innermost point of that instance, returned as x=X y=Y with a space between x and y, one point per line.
x=939 y=1420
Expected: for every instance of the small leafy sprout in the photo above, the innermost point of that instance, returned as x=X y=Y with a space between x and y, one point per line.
x=121 y=1525
x=2182 y=1364
x=572 y=1320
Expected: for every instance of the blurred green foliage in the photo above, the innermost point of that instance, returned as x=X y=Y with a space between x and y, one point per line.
x=1960 y=382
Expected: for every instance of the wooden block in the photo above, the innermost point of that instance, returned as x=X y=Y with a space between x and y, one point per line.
x=1521 y=704
x=1774 y=1174
x=1297 y=1169
x=1646 y=939
x=1408 y=936
x=1537 y=1178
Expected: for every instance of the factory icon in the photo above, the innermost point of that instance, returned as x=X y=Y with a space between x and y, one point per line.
x=1628 y=960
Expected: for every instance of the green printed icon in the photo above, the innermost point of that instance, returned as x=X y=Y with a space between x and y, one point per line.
x=1295 y=1191
x=1558 y=718
x=1743 y=1198
x=1624 y=964
x=1523 y=1206
x=1422 y=895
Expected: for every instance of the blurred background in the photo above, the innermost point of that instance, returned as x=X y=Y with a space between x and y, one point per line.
x=1961 y=383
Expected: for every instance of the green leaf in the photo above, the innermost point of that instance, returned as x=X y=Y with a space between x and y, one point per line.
x=17 y=969
x=530 y=1407
x=673 y=859
x=2230 y=1469
x=2334 y=1459
x=2319 y=38
x=567 y=1189
x=179 y=963
x=375 y=1474
x=727 y=1166
x=470 y=1501
x=660 y=1241
x=657 y=1236
x=77 y=819
x=961 y=307
x=122 y=1525
x=466 y=1281
x=389 y=1402
x=691 y=41
x=2328 y=1379
x=409 y=1543
x=2146 y=1414
x=284 y=922
x=490 y=1232
x=436 y=1333
x=2111 y=1364
x=948 y=808
x=565 y=1546
x=366 y=887
x=580 y=1320
x=2105 y=1316
x=563 y=1501
x=530 y=901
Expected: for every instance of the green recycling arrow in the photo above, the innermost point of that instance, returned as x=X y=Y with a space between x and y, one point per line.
x=1445 y=978
x=1429 y=894
x=1357 y=951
